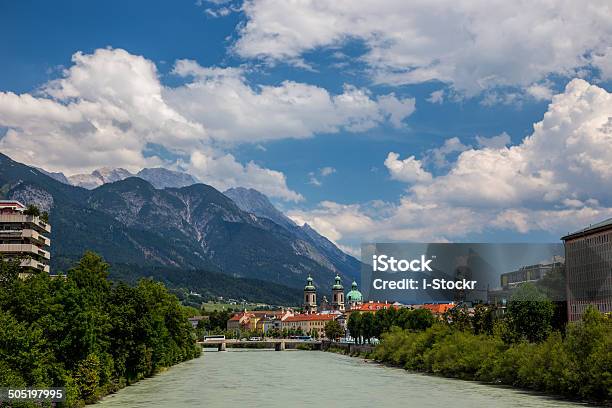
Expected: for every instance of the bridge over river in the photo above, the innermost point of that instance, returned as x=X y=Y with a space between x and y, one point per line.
x=276 y=344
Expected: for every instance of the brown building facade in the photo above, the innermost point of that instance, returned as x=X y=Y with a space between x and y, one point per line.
x=588 y=265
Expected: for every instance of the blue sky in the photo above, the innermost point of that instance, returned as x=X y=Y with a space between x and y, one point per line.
x=495 y=77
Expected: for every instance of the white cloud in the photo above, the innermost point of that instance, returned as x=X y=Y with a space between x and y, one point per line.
x=436 y=96
x=495 y=142
x=103 y=112
x=396 y=109
x=223 y=171
x=327 y=171
x=109 y=107
x=472 y=45
x=540 y=92
x=568 y=154
x=233 y=111
x=409 y=170
x=439 y=155
x=323 y=172
x=314 y=180
x=603 y=62
x=558 y=179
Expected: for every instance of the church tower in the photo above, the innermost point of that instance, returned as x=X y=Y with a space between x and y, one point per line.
x=310 y=297
x=354 y=297
x=338 y=295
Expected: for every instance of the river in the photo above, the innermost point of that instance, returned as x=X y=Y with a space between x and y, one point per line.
x=269 y=379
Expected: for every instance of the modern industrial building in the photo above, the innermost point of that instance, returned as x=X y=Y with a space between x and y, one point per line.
x=510 y=281
x=24 y=236
x=588 y=265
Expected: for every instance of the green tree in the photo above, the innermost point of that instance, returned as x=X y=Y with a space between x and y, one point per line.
x=354 y=326
x=482 y=321
x=333 y=330
x=33 y=210
x=459 y=318
x=530 y=314
x=419 y=319
x=367 y=326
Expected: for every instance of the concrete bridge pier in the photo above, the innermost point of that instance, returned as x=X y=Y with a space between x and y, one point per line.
x=280 y=346
x=221 y=346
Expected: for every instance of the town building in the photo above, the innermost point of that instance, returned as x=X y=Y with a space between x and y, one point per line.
x=241 y=322
x=195 y=320
x=373 y=306
x=509 y=281
x=324 y=305
x=258 y=320
x=437 y=309
x=24 y=236
x=311 y=323
x=588 y=269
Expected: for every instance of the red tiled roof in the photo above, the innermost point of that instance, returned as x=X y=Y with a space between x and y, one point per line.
x=239 y=316
x=438 y=308
x=310 y=317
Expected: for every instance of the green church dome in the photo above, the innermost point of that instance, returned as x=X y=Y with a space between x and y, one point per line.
x=354 y=295
x=309 y=284
x=338 y=284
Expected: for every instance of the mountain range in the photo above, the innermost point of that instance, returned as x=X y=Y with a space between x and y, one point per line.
x=159 y=177
x=194 y=227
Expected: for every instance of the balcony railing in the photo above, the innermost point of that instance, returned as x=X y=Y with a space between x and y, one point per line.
x=33 y=263
x=13 y=218
x=26 y=234
x=24 y=248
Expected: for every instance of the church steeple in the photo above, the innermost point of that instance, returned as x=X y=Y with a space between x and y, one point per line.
x=310 y=296
x=338 y=295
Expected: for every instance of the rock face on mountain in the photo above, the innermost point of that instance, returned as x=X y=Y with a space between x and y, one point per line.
x=320 y=248
x=250 y=200
x=193 y=227
x=157 y=176
x=162 y=178
x=59 y=176
x=99 y=177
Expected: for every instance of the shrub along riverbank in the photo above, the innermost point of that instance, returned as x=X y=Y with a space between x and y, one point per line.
x=576 y=363
x=85 y=333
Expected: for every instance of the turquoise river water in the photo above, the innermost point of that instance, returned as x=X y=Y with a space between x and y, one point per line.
x=269 y=379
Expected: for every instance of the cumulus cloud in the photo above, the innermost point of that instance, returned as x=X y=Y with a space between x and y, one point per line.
x=556 y=180
x=473 y=46
x=223 y=172
x=109 y=107
x=567 y=155
x=495 y=142
x=409 y=170
x=234 y=111
x=439 y=155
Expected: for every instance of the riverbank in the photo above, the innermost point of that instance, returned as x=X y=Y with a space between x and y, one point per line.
x=86 y=333
x=548 y=367
x=368 y=357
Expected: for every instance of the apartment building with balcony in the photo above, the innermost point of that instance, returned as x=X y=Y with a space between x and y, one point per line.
x=24 y=236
